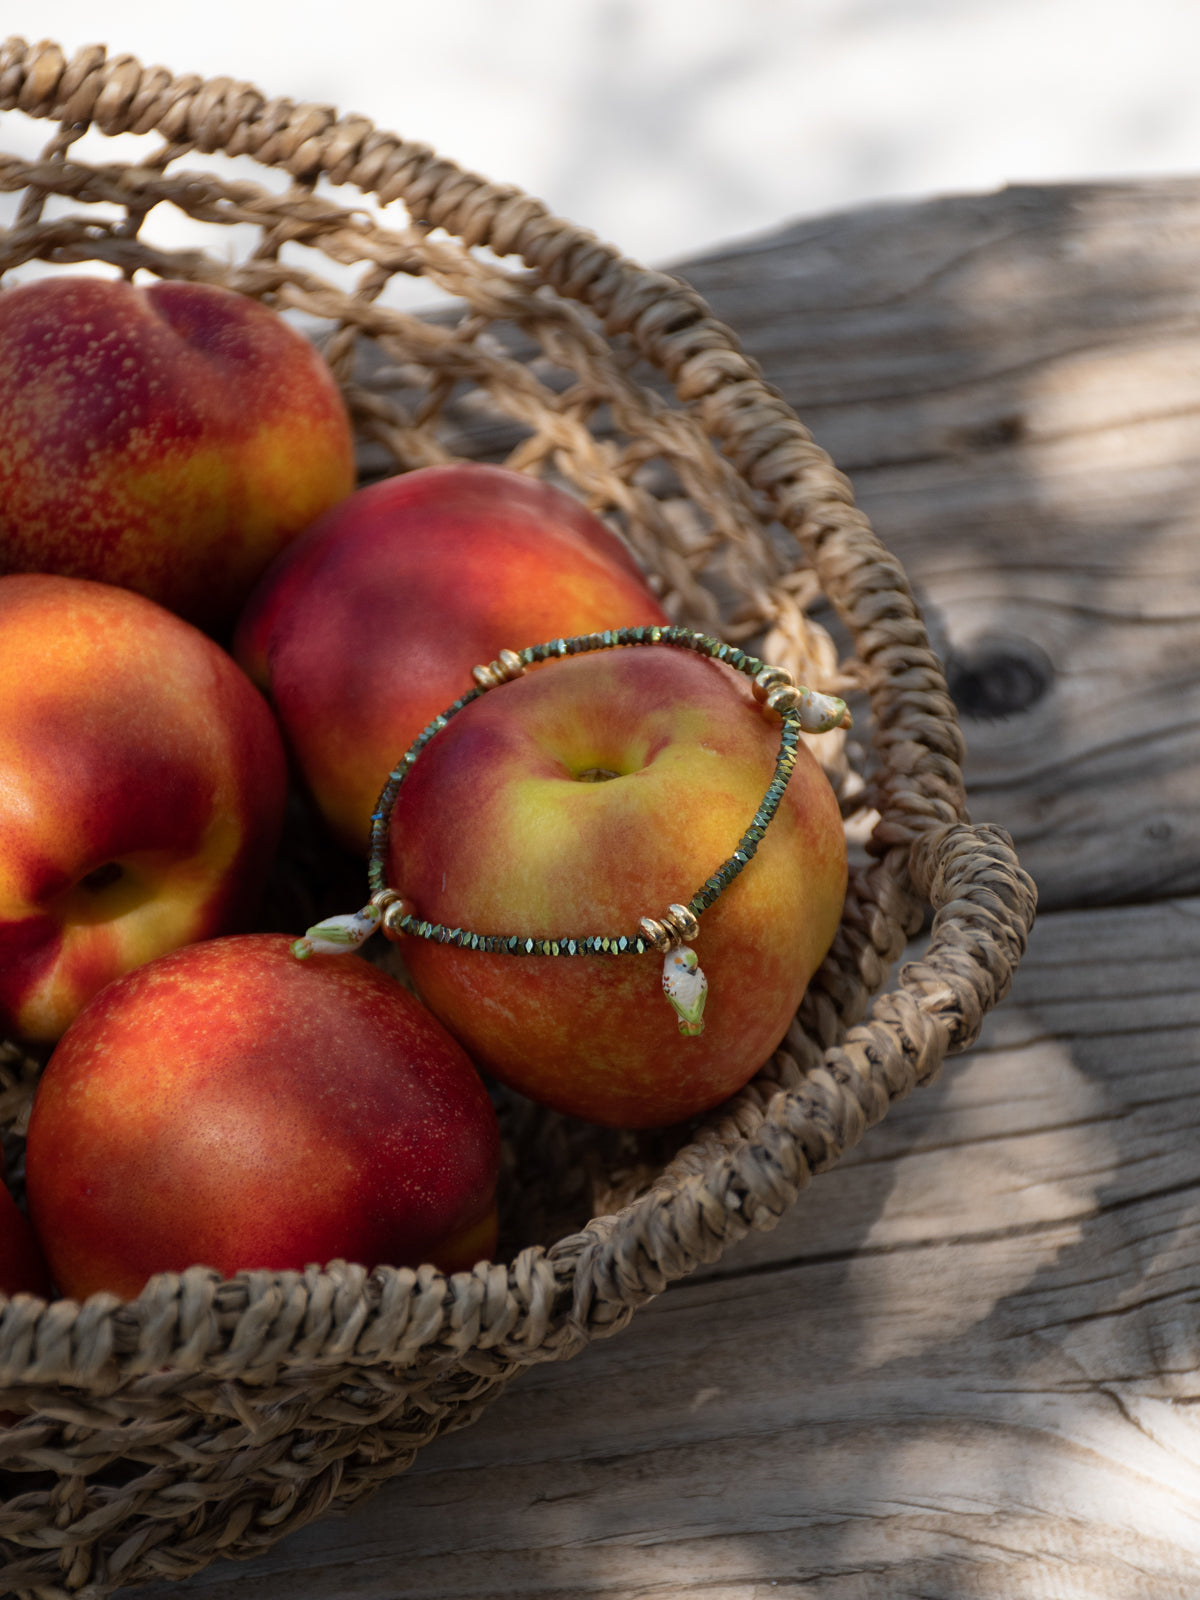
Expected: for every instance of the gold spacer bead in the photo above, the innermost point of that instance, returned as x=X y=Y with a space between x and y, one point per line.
x=771 y=678
x=783 y=698
x=485 y=677
x=657 y=934
x=510 y=664
x=391 y=918
x=383 y=898
x=684 y=919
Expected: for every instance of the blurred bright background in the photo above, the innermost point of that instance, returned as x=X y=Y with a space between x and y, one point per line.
x=668 y=126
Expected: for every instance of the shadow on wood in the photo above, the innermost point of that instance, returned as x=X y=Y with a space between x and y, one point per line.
x=1012 y=383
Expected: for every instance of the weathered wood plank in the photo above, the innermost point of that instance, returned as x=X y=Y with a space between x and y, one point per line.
x=1012 y=382
x=966 y=1364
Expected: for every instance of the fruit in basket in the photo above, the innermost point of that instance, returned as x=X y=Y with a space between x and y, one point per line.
x=370 y=624
x=576 y=800
x=229 y=1106
x=171 y=439
x=142 y=784
x=22 y=1266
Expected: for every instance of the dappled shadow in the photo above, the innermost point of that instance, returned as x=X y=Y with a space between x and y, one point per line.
x=1012 y=383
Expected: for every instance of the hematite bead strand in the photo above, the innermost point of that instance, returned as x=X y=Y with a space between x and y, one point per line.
x=382 y=814
x=748 y=844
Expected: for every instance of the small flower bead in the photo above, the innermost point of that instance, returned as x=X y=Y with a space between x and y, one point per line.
x=820 y=713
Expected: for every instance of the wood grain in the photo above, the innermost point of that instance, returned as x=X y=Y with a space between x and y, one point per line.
x=966 y=1365
x=1012 y=383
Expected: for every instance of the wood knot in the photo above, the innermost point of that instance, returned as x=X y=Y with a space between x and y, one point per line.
x=998 y=433
x=998 y=678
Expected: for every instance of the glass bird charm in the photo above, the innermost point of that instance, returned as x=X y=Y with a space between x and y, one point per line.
x=686 y=987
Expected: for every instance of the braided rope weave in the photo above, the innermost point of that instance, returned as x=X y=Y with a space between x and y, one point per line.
x=320 y=1385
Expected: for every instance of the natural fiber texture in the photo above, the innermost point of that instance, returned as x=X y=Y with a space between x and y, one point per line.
x=209 y=1418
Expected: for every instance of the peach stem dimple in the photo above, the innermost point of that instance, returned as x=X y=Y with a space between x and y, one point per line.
x=102 y=877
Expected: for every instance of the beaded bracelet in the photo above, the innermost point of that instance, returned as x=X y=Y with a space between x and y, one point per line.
x=801 y=711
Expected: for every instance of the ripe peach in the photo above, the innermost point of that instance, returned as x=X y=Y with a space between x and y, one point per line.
x=142 y=785
x=170 y=439
x=369 y=625
x=230 y=1106
x=574 y=801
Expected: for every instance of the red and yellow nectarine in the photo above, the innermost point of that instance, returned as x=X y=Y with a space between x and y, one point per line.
x=170 y=439
x=576 y=800
x=142 y=785
x=232 y=1107
x=370 y=623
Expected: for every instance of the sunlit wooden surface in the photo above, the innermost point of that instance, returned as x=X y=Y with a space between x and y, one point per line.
x=967 y=1365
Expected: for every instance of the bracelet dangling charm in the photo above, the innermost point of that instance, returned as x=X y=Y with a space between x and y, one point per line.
x=686 y=987
x=338 y=936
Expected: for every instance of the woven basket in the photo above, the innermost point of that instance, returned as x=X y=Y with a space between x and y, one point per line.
x=210 y=1418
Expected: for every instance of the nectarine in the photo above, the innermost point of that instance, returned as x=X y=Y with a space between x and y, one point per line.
x=142 y=785
x=370 y=623
x=170 y=439
x=229 y=1106
x=571 y=803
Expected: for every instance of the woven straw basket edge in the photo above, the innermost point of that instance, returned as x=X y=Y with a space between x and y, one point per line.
x=447 y=1345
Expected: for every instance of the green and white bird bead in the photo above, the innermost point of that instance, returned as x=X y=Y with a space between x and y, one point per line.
x=337 y=936
x=686 y=987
